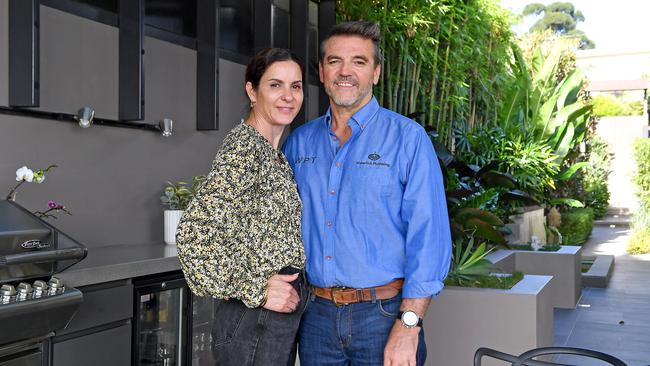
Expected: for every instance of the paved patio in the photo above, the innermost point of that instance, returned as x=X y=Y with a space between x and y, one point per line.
x=615 y=320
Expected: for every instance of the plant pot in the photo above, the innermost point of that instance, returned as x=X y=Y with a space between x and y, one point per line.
x=172 y=217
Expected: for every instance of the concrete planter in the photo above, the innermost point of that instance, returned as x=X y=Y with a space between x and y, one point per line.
x=563 y=265
x=526 y=224
x=460 y=320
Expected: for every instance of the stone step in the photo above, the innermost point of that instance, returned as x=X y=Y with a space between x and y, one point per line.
x=615 y=220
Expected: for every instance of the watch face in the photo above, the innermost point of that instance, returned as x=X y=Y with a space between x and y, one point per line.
x=410 y=318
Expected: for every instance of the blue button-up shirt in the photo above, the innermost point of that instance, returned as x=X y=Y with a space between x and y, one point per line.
x=373 y=209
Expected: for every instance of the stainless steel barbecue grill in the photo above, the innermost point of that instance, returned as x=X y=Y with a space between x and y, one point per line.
x=34 y=303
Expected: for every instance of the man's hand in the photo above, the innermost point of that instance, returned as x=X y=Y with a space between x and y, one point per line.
x=281 y=296
x=402 y=346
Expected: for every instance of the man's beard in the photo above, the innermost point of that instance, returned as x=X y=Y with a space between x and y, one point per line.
x=351 y=100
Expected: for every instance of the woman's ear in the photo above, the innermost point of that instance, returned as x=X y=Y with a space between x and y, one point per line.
x=250 y=91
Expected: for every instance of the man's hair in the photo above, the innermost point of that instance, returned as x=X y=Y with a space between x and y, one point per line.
x=364 y=29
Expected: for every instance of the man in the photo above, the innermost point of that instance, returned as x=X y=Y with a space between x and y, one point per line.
x=374 y=219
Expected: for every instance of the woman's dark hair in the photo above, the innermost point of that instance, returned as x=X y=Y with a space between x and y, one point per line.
x=264 y=59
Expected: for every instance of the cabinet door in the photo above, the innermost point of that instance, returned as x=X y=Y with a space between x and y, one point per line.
x=201 y=337
x=161 y=326
x=111 y=347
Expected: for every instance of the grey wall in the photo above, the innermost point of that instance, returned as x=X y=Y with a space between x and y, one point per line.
x=110 y=178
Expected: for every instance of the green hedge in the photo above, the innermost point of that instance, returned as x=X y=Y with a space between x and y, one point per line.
x=639 y=242
x=576 y=225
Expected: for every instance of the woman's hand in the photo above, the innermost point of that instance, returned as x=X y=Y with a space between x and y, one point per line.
x=281 y=296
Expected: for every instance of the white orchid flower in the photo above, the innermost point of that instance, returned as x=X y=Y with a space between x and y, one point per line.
x=39 y=178
x=25 y=174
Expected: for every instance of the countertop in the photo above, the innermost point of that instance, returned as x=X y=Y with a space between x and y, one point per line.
x=118 y=262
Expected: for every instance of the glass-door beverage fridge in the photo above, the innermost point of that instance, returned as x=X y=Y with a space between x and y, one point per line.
x=173 y=327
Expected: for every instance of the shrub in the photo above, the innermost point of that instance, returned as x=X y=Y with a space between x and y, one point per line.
x=594 y=176
x=577 y=225
x=610 y=105
x=642 y=175
x=639 y=242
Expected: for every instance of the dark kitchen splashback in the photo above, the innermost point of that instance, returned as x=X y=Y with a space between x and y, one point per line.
x=111 y=178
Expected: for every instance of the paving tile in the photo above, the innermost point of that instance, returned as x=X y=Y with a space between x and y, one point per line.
x=594 y=324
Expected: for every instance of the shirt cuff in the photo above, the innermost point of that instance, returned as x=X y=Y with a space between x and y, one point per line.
x=414 y=290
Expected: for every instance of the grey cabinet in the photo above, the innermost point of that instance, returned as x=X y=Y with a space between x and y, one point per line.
x=110 y=347
x=100 y=332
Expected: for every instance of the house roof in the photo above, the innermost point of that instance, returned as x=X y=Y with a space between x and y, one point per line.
x=617 y=85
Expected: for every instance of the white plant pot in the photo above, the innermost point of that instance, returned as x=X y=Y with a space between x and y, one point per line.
x=172 y=217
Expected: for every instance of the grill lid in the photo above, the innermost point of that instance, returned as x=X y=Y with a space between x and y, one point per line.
x=31 y=247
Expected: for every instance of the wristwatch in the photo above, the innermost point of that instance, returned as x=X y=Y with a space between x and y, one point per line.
x=410 y=319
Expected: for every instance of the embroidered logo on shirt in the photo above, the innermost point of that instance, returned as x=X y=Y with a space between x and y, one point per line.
x=373 y=161
x=305 y=159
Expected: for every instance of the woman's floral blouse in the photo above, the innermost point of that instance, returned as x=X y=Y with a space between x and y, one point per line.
x=243 y=226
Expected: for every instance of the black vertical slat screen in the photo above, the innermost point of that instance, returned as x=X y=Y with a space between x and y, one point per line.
x=207 y=65
x=262 y=22
x=24 y=53
x=326 y=20
x=299 y=46
x=131 y=53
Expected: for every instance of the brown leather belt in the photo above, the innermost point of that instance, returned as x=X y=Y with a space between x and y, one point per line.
x=345 y=295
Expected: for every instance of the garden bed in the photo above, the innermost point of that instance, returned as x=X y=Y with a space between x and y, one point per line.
x=502 y=281
x=460 y=320
x=563 y=265
x=599 y=272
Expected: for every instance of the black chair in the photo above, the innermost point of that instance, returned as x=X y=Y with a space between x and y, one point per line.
x=526 y=358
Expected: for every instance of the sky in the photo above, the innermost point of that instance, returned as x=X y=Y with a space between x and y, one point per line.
x=621 y=25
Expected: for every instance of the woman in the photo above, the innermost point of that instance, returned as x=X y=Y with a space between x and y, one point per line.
x=239 y=239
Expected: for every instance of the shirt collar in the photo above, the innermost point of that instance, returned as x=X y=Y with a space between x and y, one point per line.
x=362 y=117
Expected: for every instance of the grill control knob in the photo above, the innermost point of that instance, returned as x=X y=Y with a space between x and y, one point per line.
x=24 y=291
x=56 y=286
x=7 y=294
x=40 y=289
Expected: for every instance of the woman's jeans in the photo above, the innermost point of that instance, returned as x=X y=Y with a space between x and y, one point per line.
x=249 y=337
x=353 y=334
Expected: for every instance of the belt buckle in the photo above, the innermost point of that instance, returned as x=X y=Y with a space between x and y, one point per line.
x=334 y=291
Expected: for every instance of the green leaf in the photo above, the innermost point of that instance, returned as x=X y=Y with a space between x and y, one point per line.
x=467 y=213
x=570 y=171
x=566 y=201
x=484 y=230
x=498 y=180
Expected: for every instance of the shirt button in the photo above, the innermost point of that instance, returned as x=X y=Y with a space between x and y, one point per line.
x=328 y=257
x=338 y=164
x=332 y=192
x=328 y=223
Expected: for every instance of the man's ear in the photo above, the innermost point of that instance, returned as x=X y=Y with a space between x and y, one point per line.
x=320 y=71
x=376 y=74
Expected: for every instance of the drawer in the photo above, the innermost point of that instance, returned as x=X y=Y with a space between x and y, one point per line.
x=102 y=304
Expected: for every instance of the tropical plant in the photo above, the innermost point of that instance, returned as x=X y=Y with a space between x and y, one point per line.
x=577 y=225
x=176 y=196
x=467 y=263
x=589 y=185
x=639 y=242
x=445 y=60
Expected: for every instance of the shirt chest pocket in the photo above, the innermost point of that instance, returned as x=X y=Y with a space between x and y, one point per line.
x=374 y=182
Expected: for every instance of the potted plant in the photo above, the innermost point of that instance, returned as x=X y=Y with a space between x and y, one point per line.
x=176 y=196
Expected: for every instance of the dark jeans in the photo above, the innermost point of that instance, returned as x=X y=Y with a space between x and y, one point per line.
x=249 y=337
x=354 y=334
